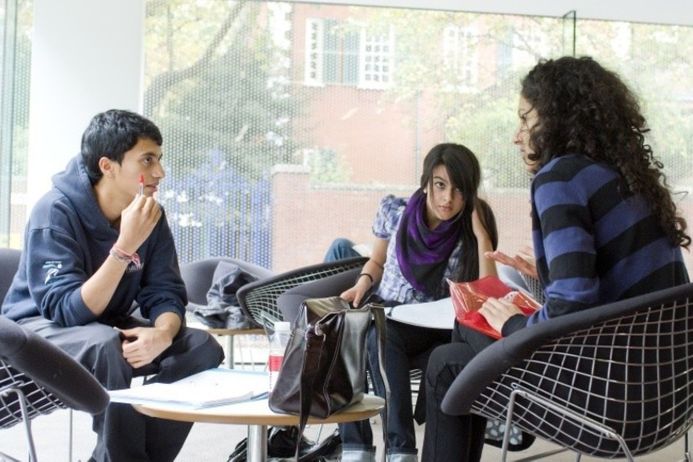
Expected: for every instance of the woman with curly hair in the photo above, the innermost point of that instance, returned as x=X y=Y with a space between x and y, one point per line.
x=605 y=227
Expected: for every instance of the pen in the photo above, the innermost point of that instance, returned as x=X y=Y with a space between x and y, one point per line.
x=141 y=190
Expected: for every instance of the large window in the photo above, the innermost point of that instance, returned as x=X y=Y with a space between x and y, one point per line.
x=285 y=123
x=15 y=64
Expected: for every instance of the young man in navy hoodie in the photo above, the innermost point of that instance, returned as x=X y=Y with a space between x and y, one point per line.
x=97 y=246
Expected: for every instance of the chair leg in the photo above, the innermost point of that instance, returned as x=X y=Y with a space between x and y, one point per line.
x=229 y=357
x=70 y=436
x=508 y=421
x=604 y=430
x=25 y=419
x=686 y=453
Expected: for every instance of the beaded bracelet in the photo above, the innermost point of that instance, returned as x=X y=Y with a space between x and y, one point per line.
x=125 y=257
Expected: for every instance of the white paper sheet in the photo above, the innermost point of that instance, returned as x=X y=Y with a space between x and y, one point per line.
x=436 y=315
x=212 y=387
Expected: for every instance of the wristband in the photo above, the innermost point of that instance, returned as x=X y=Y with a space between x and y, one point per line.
x=125 y=257
x=368 y=276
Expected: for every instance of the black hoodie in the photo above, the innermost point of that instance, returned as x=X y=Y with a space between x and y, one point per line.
x=67 y=239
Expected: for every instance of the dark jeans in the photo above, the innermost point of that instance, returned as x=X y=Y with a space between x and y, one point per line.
x=340 y=249
x=452 y=438
x=404 y=342
x=123 y=434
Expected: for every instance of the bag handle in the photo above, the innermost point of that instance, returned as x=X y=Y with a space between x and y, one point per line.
x=315 y=342
x=378 y=313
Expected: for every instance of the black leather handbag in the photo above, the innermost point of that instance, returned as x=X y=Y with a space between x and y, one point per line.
x=324 y=367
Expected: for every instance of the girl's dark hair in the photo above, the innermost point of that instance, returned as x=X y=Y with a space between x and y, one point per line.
x=585 y=109
x=465 y=173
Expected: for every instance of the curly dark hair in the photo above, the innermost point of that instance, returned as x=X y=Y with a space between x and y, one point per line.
x=583 y=108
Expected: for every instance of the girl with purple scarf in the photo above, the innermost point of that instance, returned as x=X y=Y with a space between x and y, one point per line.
x=441 y=231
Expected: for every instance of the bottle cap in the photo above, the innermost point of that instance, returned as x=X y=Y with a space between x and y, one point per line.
x=283 y=326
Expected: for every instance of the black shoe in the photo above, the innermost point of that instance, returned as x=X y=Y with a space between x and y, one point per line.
x=240 y=452
x=281 y=442
x=328 y=449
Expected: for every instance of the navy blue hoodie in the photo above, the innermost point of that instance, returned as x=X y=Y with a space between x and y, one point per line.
x=67 y=239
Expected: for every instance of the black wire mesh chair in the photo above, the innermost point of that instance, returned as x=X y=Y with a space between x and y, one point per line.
x=198 y=277
x=36 y=377
x=612 y=381
x=259 y=299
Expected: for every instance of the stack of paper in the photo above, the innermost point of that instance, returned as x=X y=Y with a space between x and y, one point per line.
x=213 y=387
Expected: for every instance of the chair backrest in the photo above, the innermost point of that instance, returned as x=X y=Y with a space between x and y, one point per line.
x=197 y=275
x=259 y=299
x=9 y=262
x=626 y=365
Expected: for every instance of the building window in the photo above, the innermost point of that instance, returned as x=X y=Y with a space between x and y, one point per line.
x=460 y=54
x=336 y=54
x=314 y=52
x=376 y=60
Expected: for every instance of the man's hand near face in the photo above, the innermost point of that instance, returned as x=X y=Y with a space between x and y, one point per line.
x=137 y=222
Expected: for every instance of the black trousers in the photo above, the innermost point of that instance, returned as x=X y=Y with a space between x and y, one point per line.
x=452 y=438
x=404 y=341
x=123 y=434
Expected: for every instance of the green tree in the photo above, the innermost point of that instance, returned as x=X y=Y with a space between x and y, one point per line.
x=216 y=83
x=214 y=88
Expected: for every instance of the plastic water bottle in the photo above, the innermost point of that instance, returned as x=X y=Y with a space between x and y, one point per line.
x=278 y=342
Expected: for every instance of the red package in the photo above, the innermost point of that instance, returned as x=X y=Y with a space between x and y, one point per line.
x=467 y=298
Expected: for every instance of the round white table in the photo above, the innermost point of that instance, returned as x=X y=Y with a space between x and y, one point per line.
x=257 y=416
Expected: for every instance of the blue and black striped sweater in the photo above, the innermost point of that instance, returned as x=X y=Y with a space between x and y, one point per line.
x=593 y=243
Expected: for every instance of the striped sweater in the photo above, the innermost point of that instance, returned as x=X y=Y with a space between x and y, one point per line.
x=594 y=245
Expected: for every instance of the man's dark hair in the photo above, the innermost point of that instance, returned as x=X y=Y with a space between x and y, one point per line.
x=111 y=134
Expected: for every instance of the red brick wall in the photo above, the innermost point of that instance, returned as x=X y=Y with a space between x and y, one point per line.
x=305 y=218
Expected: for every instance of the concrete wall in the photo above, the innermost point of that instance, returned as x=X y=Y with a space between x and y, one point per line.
x=87 y=57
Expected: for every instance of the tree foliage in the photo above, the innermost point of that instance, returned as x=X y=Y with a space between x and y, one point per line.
x=212 y=87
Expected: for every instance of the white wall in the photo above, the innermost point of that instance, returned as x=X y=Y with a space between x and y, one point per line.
x=648 y=11
x=87 y=57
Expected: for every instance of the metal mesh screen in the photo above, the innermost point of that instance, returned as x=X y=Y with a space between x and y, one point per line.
x=285 y=123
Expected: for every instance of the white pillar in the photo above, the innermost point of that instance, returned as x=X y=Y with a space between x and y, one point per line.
x=87 y=57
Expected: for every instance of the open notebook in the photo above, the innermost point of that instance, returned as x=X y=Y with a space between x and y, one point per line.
x=213 y=387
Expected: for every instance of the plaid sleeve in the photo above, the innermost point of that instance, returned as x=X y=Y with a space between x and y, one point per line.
x=388 y=216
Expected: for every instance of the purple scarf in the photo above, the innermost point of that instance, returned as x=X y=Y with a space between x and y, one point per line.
x=423 y=253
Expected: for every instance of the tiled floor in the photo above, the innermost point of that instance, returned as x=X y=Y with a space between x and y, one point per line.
x=214 y=442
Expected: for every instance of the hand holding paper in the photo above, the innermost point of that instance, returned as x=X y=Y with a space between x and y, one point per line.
x=468 y=297
x=498 y=310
